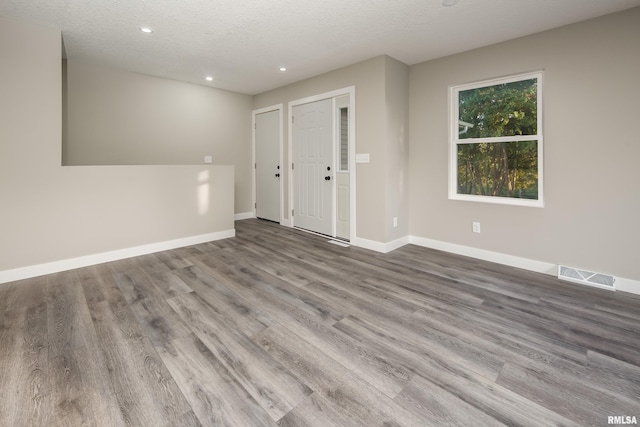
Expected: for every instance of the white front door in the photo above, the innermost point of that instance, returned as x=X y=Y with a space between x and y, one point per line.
x=267 y=140
x=314 y=167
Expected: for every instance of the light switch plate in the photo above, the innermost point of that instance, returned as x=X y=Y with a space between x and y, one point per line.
x=208 y=159
x=362 y=158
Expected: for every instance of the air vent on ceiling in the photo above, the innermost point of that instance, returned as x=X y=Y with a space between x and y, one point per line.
x=586 y=277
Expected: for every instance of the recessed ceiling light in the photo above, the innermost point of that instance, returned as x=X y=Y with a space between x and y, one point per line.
x=209 y=78
x=283 y=68
x=449 y=3
x=146 y=30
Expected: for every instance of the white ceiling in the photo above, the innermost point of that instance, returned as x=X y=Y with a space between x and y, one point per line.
x=243 y=43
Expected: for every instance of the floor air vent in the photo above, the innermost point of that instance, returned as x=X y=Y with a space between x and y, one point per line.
x=587 y=277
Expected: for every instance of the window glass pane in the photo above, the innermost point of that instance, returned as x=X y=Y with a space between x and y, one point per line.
x=505 y=109
x=501 y=169
x=344 y=139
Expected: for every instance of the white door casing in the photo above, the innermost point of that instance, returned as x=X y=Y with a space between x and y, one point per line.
x=343 y=169
x=289 y=219
x=267 y=165
x=314 y=170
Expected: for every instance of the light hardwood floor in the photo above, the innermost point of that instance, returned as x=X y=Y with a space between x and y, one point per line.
x=279 y=327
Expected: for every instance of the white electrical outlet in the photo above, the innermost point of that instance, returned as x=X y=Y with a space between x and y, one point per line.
x=395 y=221
x=476 y=227
x=208 y=159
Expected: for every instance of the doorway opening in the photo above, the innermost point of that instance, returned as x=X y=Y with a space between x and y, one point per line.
x=267 y=163
x=322 y=166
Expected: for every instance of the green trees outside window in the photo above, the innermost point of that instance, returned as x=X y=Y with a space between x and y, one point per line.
x=496 y=145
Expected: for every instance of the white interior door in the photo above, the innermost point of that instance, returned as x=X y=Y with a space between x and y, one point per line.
x=314 y=166
x=267 y=141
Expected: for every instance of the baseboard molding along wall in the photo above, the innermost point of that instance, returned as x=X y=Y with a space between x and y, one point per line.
x=381 y=247
x=622 y=284
x=243 y=215
x=85 y=261
x=497 y=257
x=628 y=285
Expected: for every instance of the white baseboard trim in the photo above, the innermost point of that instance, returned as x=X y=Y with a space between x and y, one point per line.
x=628 y=285
x=379 y=246
x=622 y=284
x=243 y=215
x=84 y=261
x=372 y=245
x=497 y=257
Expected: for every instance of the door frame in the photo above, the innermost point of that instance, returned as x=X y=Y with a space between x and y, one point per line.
x=254 y=113
x=351 y=91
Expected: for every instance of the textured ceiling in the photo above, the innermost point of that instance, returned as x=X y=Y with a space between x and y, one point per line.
x=243 y=43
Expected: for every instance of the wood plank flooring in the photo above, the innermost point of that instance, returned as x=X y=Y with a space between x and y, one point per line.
x=279 y=327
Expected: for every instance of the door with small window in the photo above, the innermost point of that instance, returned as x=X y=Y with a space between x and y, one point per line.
x=342 y=170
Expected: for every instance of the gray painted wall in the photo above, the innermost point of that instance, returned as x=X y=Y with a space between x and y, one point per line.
x=397 y=146
x=49 y=212
x=116 y=117
x=592 y=147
